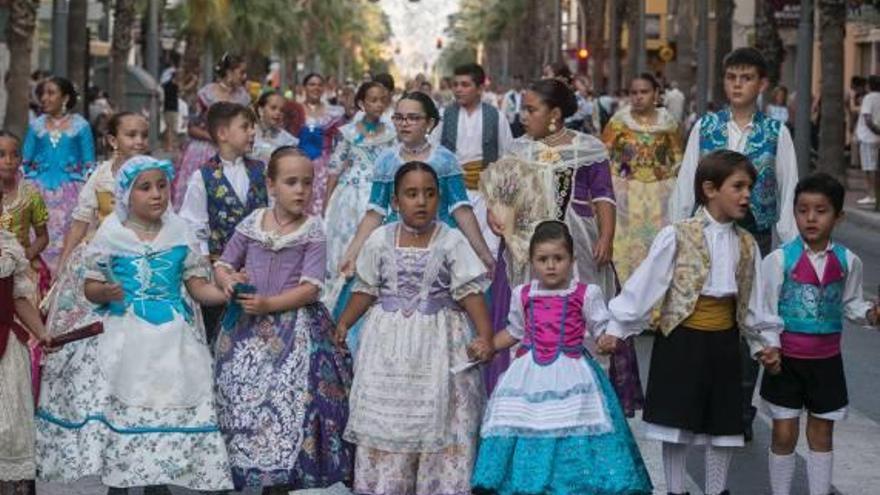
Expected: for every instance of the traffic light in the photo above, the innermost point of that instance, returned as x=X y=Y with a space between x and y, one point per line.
x=439 y=43
x=583 y=53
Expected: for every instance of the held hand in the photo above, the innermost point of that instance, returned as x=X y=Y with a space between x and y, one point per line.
x=607 y=343
x=111 y=292
x=480 y=350
x=47 y=345
x=254 y=304
x=489 y=262
x=230 y=279
x=602 y=251
x=873 y=315
x=495 y=226
x=347 y=265
x=771 y=360
x=339 y=336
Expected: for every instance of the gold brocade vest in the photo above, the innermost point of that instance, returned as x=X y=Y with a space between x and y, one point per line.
x=691 y=267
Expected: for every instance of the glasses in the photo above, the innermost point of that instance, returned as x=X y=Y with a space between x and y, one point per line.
x=410 y=118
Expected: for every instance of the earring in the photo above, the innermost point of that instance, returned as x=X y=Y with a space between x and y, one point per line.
x=552 y=126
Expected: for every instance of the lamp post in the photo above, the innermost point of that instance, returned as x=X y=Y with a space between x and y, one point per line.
x=60 y=10
x=702 y=57
x=804 y=96
x=153 y=67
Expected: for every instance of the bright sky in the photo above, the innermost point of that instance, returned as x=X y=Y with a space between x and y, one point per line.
x=415 y=27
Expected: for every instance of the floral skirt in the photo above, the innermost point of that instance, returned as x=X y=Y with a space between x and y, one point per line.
x=319 y=184
x=60 y=203
x=607 y=463
x=641 y=213
x=345 y=209
x=195 y=154
x=282 y=397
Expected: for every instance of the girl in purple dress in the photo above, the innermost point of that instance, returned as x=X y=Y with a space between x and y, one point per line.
x=282 y=385
x=229 y=86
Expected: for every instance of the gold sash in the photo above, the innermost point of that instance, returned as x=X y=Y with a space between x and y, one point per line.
x=712 y=314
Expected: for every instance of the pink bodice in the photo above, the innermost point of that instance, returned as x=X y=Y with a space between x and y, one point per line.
x=554 y=325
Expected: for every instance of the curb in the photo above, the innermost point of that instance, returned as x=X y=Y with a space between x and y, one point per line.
x=862 y=217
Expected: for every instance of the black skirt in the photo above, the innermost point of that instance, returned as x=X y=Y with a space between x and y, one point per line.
x=694 y=382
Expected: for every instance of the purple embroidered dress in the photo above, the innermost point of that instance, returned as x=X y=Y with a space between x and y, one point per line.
x=281 y=384
x=539 y=182
x=415 y=423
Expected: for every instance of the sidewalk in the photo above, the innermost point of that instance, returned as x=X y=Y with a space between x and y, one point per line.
x=865 y=216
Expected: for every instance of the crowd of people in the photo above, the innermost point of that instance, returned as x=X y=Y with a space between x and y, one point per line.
x=429 y=293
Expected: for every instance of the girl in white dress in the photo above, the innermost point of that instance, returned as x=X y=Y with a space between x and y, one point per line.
x=415 y=406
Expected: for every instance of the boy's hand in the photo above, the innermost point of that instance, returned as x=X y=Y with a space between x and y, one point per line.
x=607 y=343
x=873 y=315
x=771 y=360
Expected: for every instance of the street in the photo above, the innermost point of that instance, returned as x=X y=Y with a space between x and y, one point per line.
x=857 y=440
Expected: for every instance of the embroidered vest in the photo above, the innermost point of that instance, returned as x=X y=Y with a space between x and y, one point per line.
x=225 y=210
x=449 y=136
x=691 y=267
x=808 y=304
x=761 y=150
x=553 y=325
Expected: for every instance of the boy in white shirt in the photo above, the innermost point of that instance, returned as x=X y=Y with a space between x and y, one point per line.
x=868 y=134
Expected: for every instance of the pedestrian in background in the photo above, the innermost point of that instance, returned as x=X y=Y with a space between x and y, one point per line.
x=868 y=132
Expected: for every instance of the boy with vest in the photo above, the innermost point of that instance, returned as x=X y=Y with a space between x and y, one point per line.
x=227 y=188
x=767 y=143
x=814 y=283
x=707 y=271
x=478 y=135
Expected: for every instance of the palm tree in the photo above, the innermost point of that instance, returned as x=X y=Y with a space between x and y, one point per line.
x=77 y=46
x=832 y=126
x=767 y=40
x=123 y=22
x=685 y=59
x=723 y=43
x=22 y=21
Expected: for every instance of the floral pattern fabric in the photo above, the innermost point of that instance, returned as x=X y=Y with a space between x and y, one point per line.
x=282 y=385
x=644 y=164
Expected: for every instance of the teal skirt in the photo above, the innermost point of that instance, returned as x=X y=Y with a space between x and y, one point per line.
x=603 y=464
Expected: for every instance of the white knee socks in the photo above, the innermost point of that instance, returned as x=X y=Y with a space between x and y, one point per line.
x=781 y=473
x=819 y=465
x=674 y=457
x=717 y=464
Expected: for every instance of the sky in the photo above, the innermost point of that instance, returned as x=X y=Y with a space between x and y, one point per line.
x=415 y=27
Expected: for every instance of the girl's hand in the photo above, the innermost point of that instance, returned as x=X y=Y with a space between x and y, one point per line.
x=607 y=343
x=229 y=279
x=495 y=226
x=602 y=251
x=254 y=304
x=873 y=315
x=110 y=292
x=339 y=336
x=346 y=267
x=480 y=350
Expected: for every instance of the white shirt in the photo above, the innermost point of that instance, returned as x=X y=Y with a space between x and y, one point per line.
x=681 y=202
x=631 y=309
x=102 y=180
x=674 y=100
x=870 y=110
x=195 y=203
x=469 y=138
x=854 y=305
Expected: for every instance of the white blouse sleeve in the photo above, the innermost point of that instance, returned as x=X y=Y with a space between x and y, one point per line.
x=195 y=210
x=14 y=263
x=368 y=264
x=762 y=324
x=87 y=201
x=786 y=179
x=855 y=307
x=467 y=272
x=631 y=309
x=516 y=321
x=681 y=202
x=595 y=312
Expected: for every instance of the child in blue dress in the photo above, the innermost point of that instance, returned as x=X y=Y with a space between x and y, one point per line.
x=553 y=424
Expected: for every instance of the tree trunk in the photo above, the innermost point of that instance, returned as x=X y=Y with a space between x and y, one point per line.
x=767 y=40
x=123 y=22
x=832 y=124
x=723 y=45
x=191 y=64
x=686 y=49
x=22 y=21
x=631 y=17
x=77 y=48
x=594 y=11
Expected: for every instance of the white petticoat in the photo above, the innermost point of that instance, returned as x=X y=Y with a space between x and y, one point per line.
x=560 y=399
